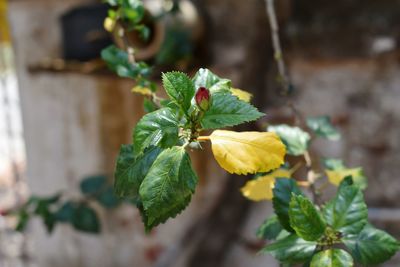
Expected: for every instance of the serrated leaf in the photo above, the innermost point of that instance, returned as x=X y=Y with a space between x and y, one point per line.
x=227 y=110
x=241 y=94
x=291 y=249
x=247 y=152
x=260 y=188
x=295 y=139
x=323 y=127
x=167 y=188
x=332 y=258
x=347 y=211
x=205 y=78
x=131 y=169
x=270 y=228
x=282 y=194
x=179 y=87
x=158 y=128
x=305 y=219
x=371 y=246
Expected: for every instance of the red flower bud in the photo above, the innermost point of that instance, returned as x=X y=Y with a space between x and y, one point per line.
x=203 y=98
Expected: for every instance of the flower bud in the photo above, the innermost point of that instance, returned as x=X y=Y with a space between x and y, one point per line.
x=203 y=98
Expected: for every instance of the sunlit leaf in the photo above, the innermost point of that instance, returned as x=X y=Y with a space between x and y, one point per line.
x=305 y=218
x=295 y=139
x=347 y=211
x=372 y=246
x=179 y=87
x=247 y=152
x=205 y=78
x=332 y=258
x=241 y=94
x=261 y=188
x=291 y=249
x=323 y=127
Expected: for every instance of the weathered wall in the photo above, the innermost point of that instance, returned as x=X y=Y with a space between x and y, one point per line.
x=75 y=123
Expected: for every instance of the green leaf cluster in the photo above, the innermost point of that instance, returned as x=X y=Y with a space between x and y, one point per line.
x=78 y=213
x=155 y=169
x=308 y=234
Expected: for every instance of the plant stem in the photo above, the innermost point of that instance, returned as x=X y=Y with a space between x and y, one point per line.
x=203 y=138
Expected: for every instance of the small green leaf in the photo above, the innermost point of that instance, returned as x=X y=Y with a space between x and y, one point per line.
x=332 y=258
x=347 y=211
x=179 y=87
x=333 y=164
x=93 y=184
x=270 y=228
x=282 y=194
x=66 y=212
x=371 y=246
x=131 y=170
x=323 y=127
x=167 y=188
x=295 y=139
x=118 y=61
x=23 y=219
x=227 y=110
x=107 y=198
x=158 y=128
x=291 y=249
x=305 y=219
x=205 y=78
x=85 y=219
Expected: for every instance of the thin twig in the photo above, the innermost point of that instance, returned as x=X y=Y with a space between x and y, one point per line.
x=285 y=83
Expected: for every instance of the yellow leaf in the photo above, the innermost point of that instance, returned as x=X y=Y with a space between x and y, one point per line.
x=247 y=152
x=109 y=24
x=242 y=95
x=261 y=187
x=336 y=176
x=142 y=90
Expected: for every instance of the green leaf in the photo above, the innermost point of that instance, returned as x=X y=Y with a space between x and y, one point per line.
x=167 y=188
x=332 y=258
x=291 y=249
x=149 y=106
x=158 y=128
x=333 y=164
x=93 y=184
x=107 y=198
x=295 y=139
x=305 y=219
x=205 y=78
x=323 y=127
x=118 y=61
x=270 y=228
x=132 y=10
x=130 y=170
x=179 y=87
x=347 y=211
x=371 y=246
x=282 y=194
x=85 y=219
x=23 y=219
x=66 y=212
x=227 y=110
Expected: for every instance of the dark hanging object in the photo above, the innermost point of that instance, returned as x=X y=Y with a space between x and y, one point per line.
x=83 y=34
